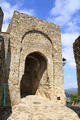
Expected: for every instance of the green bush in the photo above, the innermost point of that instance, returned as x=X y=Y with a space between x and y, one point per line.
x=74 y=98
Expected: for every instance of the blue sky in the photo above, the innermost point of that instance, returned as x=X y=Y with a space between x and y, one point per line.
x=65 y=13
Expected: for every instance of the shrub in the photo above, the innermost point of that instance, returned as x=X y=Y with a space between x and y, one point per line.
x=74 y=98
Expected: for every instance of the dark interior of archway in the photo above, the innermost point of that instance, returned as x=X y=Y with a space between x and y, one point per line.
x=35 y=65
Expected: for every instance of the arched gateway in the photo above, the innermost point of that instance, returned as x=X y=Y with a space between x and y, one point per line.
x=35 y=66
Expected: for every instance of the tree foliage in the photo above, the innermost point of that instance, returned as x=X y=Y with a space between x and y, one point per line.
x=74 y=98
x=64 y=61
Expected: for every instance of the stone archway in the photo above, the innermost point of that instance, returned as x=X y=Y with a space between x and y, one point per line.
x=35 y=65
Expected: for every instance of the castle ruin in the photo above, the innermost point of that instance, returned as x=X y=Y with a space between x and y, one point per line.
x=32 y=59
x=31 y=65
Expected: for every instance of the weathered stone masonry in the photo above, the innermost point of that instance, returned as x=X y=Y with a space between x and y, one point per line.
x=33 y=59
x=4 y=68
x=31 y=75
x=76 y=48
x=30 y=35
x=1 y=18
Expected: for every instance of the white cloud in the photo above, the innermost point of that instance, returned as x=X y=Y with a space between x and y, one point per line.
x=68 y=54
x=66 y=14
x=68 y=38
x=8 y=10
x=67 y=42
x=65 y=6
x=63 y=10
x=5 y=26
x=30 y=11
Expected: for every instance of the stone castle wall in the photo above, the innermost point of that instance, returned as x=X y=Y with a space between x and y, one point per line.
x=32 y=59
x=28 y=35
x=4 y=68
x=31 y=71
x=76 y=48
x=1 y=18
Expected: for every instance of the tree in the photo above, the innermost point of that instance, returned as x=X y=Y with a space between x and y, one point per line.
x=74 y=98
x=64 y=61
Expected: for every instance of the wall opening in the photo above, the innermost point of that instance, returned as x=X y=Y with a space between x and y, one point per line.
x=35 y=66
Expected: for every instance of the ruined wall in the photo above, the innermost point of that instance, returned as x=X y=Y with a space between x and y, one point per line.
x=1 y=69
x=4 y=69
x=76 y=48
x=1 y=18
x=29 y=35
